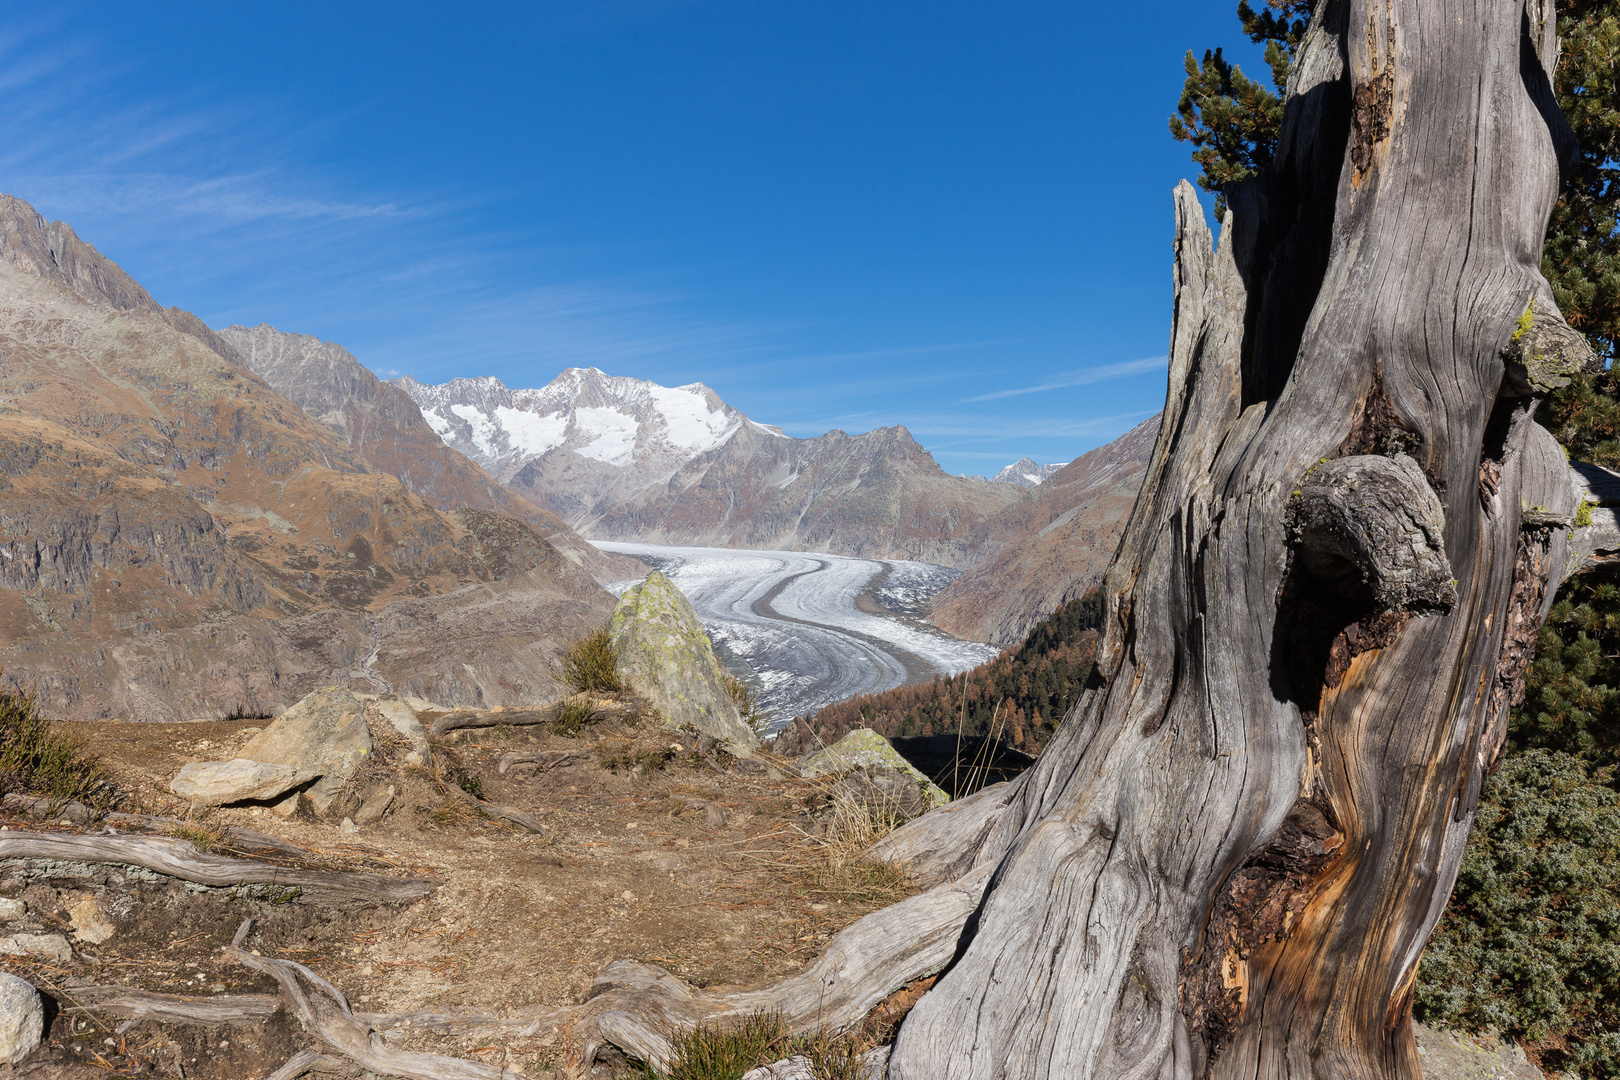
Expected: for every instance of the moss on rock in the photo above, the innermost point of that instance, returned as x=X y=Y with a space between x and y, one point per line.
x=665 y=654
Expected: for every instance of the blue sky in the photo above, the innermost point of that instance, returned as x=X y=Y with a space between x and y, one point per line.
x=954 y=216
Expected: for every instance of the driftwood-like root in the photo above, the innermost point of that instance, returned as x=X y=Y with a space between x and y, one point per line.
x=128 y=1004
x=303 y=1062
x=181 y=859
x=323 y=1009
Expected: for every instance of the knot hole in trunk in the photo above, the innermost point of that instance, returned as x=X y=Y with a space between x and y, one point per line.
x=1366 y=535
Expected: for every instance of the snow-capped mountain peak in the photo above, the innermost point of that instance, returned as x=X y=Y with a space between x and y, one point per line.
x=615 y=420
x=1026 y=473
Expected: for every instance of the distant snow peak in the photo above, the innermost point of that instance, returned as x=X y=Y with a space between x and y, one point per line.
x=615 y=420
x=1026 y=473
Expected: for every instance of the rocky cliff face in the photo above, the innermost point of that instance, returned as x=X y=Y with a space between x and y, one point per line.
x=384 y=426
x=623 y=459
x=1049 y=547
x=178 y=539
x=875 y=496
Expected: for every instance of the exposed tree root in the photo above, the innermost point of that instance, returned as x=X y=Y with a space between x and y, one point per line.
x=180 y=859
x=80 y=814
x=302 y=1062
x=323 y=1009
x=127 y=1004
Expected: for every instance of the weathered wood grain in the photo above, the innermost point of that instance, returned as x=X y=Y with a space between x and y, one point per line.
x=181 y=859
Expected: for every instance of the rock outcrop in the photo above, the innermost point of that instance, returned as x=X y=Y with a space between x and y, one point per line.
x=624 y=459
x=324 y=735
x=864 y=750
x=178 y=540
x=665 y=654
x=218 y=783
x=1050 y=547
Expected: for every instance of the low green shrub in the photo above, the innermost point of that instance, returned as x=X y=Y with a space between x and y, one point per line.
x=742 y=695
x=573 y=716
x=592 y=664
x=1530 y=942
x=39 y=757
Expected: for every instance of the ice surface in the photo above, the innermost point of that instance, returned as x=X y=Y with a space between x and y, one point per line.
x=615 y=432
x=531 y=433
x=691 y=424
x=792 y=616
x=484 y=431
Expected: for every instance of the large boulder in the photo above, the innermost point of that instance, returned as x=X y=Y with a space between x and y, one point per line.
x=665 y=654
x=325 y=735
x=22 y=1019
x=864 y=750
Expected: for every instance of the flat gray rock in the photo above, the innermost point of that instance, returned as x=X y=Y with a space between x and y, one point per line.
x=50 y=946
x=22 y=1019
x=215 y=783
x=324 y=735
x=1452 y=1055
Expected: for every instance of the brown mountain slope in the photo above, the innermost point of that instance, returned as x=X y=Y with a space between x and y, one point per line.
x=877 y=495
x=151 y=485
x=381 y=423
x=1051 y=546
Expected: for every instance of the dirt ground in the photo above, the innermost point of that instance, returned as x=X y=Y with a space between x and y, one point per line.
x=652 y=850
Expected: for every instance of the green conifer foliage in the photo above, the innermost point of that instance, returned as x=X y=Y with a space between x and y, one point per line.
x=1530 y=942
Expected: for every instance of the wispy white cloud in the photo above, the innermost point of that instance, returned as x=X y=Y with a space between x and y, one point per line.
x=1082 y=377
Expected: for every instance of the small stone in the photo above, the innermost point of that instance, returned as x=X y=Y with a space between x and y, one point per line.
x=89 y=922
x=375 y=805
x=349 y=826
x=12 y=910
x=22 y=1019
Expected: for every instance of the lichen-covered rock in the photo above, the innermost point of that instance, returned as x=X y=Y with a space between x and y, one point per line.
x=216 y=783
x=22 y=1019
x=864 y=748
x=665 y=654
x=325 y=734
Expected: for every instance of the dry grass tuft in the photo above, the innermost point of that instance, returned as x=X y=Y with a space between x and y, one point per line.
x=726 y=1051
x=592 y=664
x=202 y=836
x=574 y=715
x=845 y=871
x=616 y=754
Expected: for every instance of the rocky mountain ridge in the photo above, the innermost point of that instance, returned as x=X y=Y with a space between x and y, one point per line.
x=626 y=459
x=1051 y=546
x=177 y=539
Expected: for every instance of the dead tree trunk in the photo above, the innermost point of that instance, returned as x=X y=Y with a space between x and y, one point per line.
x=1228 y=861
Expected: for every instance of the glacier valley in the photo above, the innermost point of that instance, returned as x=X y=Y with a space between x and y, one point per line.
x=814 y=628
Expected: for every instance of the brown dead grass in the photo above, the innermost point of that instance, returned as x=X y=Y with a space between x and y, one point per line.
x=519 y=919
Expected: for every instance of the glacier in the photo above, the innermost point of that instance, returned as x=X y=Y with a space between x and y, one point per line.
x=815 y=628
